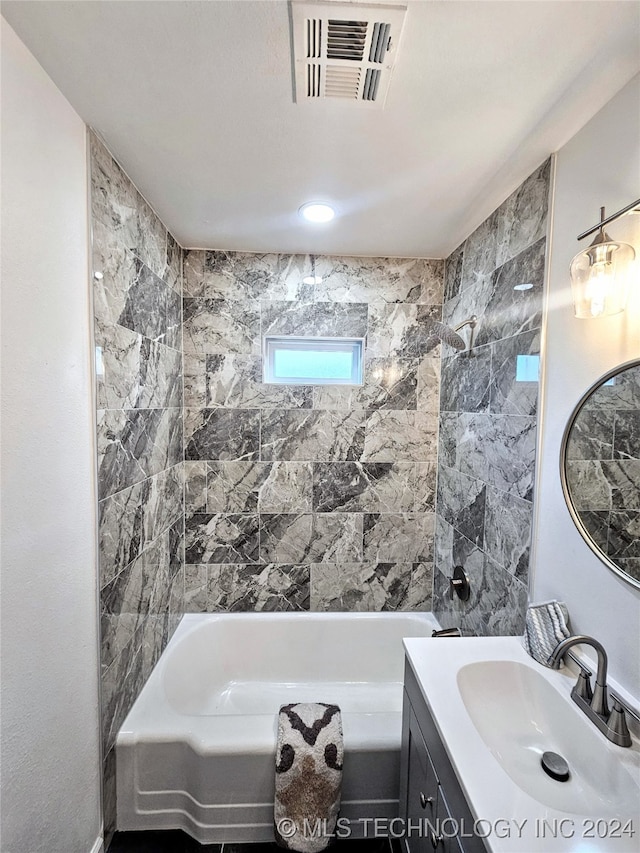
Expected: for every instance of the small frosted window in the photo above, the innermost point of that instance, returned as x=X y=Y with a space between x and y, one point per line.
x=527 y=368
x=313 y=361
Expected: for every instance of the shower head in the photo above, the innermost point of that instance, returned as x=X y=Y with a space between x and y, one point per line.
x=447 y=335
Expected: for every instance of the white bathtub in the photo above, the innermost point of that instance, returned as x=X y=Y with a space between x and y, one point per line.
x=197 y=750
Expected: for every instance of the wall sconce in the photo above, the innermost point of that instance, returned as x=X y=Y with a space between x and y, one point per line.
x=599 y=275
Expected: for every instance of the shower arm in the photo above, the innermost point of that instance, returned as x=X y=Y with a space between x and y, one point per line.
x=472 y=322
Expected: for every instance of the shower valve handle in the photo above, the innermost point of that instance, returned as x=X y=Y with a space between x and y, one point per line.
x=459 y=584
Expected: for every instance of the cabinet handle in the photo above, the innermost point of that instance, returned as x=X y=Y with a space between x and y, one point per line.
x=425 y=801
x=435 y=839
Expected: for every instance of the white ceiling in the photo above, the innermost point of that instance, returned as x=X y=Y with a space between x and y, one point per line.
x=195 y=100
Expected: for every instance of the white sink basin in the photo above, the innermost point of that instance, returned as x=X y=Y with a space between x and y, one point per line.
x=497 y=711
x=519 y=715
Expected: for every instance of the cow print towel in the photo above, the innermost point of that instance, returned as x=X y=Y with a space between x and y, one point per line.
x=309 y=758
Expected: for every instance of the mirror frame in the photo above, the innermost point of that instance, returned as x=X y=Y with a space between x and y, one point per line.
x=634 y=362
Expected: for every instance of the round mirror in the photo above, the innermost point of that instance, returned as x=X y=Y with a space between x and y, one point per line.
x=600 y=469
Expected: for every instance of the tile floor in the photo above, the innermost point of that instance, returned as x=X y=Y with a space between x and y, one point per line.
x=175 y=841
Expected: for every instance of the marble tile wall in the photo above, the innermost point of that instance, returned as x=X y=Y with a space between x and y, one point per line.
x=488 y=414
x=309 y=497
x=603 y=469
x=137 y=293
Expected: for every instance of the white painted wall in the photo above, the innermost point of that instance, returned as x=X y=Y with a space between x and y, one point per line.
x=50 y=746
x=600 y=165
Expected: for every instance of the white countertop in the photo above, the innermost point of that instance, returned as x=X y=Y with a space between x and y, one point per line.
x=512 y=820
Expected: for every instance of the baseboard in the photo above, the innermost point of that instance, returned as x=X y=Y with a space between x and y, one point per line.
x=98 y=846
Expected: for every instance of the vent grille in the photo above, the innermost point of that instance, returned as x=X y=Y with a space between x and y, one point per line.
x=341 y=82
x=313 y=80
x=371 y=83
x=346 y=40
x=379 y=42
x=340 y=57
x=314 y=38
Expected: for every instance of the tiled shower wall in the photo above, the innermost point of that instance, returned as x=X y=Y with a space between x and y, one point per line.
x=137 y=284
x=488 y=409
x=302 y=497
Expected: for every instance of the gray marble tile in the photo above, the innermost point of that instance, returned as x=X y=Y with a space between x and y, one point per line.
x=121 y=683
x=195 y=487
x=473 y=300
x=510 y=311
x=135 y=444
x=624 y=393
x=193 y=273
x=258 y=587
x=461 y=502
x=364 y=487
x=151 y=247
x=131 y=519
x=448 y=439
x=173 y=265
x=588 y=485
x=303 y=435
x=626 y=443
x=400 y=436
x=147 y=305
x=242 y=275
x=389 y=383
x=624 y=535
x=498 y=600
x=370 y=586
x=310 y=538
x=425 y=486
x=320 y=319
x=507 y=532
x=196 y=591
x=286 y=487
x=222 y=538
x=499 y=449
x=511 y=394
x=234 y=486
x=194 y=380
x=623 y=477
x=135 y=372
x=402 y=330
x=480 y=252
x=453 y=273
x=596 y=523
x=348 y=279
x=398 y=537
x=466 y=381
x=109 y=796
x=114 y=199
x=127 y=600
x=630 y=565
x=522 y=218
x=222 y=434
x=236 y=381
x=428 y=397
x=592 y=435
x=221 y=326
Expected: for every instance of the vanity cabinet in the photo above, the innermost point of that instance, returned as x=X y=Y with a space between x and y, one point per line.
x=434 y=809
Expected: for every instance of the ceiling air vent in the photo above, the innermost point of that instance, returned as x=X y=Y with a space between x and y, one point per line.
x=345 y=51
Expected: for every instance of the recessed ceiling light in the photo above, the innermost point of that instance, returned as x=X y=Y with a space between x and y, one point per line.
x=317 y=212
x=527 y=286
x=312 y=279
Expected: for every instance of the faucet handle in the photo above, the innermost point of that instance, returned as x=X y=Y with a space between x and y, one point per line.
x=617 y=730
x=582 y=686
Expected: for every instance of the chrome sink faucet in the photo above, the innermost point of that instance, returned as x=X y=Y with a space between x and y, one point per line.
x=594 y=703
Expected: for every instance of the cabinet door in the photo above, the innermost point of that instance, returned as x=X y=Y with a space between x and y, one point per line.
x=443 y=837
x=422 y=792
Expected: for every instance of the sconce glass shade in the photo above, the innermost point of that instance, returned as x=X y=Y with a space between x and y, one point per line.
x=600 y=277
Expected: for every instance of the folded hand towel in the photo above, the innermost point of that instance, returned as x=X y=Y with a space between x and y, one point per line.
x=309 y=757
x=546 y=625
